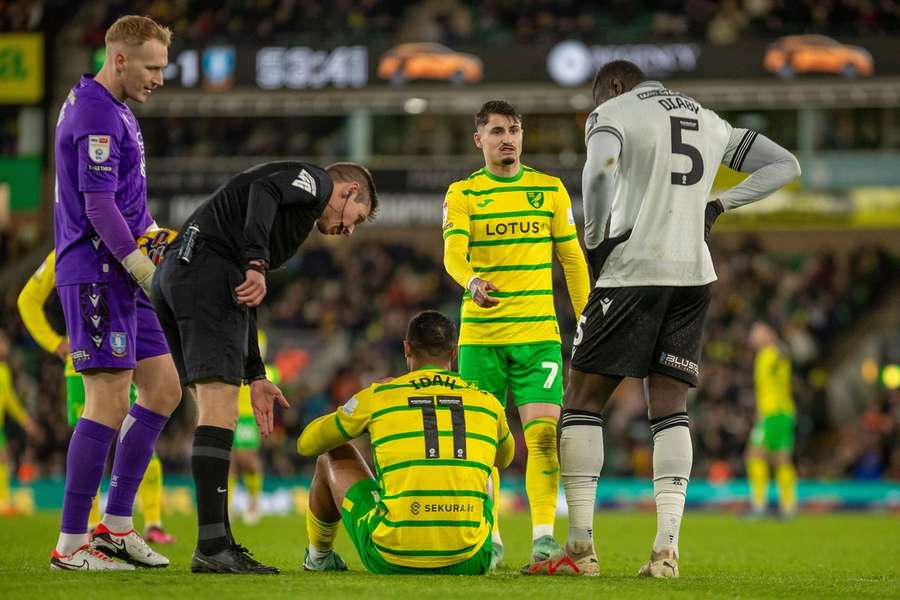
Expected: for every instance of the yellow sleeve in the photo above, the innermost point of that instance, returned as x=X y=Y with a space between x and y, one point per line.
x=456 y=237
x=765 y=364
x=336 y=428
x=506 y=449
x=9 y=398
x=568 y=251
x=31 y=305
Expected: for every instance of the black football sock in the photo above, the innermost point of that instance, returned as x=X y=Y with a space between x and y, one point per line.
x=210 y=462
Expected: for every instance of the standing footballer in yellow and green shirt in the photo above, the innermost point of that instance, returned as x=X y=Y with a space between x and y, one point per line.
x=772 y=439
x=32 y=304
x=245 y=458
x=9 y=405
x=434 y=441
x=501 y=226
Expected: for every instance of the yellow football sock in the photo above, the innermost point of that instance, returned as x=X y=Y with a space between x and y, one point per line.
x=786 y=480
x=321 y=534
x=232 y=487
x=254 y=483
x=150 y=493
x=495 y=480
x=4 y=484
x=94 y=516
x=541 y=474
x=758 y=477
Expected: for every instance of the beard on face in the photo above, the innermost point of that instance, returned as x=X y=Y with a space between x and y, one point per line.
x=508 y=160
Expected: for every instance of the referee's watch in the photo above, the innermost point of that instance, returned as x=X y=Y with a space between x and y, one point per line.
x=258 y=264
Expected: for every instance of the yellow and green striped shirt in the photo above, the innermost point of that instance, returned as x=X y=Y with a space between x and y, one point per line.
x=434 y=440
x=772 y=378
x=9 y=401
x=504 y=230
x=31 y=303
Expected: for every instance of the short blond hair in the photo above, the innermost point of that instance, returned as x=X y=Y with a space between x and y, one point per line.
x=134 y=30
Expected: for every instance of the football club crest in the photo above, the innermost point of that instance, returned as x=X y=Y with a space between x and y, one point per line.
x=536 y=199
x=98 y=148
x=218 y=68
x=118 y=341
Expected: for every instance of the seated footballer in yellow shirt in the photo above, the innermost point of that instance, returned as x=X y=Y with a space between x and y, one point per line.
x=434 y=440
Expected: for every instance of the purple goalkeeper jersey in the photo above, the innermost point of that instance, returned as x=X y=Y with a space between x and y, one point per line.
x=99 y=148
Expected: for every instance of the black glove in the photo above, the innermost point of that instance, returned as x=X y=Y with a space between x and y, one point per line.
x=713 y=210
x=598 y=255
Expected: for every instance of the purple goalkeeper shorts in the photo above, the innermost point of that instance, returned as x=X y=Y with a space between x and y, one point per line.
x=110 y=325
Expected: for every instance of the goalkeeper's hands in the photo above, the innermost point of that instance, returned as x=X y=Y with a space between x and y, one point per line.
x=141 y=269
x=713 y=210
x=597 y=256
x=479 y=289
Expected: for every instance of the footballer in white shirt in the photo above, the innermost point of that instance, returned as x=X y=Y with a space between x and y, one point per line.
x=652 y=155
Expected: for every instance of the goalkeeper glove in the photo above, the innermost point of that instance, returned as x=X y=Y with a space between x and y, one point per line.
x=597 y=256
x=713 y=210
x=141 y=269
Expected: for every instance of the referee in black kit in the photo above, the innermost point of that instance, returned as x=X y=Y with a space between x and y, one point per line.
x=206 y=295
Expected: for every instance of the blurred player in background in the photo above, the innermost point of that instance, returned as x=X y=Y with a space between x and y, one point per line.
x=501 y=226
x=33 y=309
x=772 y=439
x=245 y=458
x=652 y=156
x=103 y=281
x=435 y=439
x=206 y=298
x=9 y=405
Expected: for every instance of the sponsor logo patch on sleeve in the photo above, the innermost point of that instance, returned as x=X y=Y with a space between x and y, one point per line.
x=98 y=148
x=349 y=407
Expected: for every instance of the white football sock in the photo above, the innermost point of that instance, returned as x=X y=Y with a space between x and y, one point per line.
x=70 y=542
x=673 y=456
x=118 y=524
x=316 y=554
x=581 y=460
x=539 y=531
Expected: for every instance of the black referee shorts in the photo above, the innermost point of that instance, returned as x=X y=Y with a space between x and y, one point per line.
x=206 y=327
x=631 y=331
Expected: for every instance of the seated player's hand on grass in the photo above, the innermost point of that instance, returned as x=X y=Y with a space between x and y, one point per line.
x=479 y=289
x=253 y=290
x=263 y=394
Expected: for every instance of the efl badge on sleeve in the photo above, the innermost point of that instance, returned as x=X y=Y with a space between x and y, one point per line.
x=98 y=148
x=536 y=199
x=154 y=243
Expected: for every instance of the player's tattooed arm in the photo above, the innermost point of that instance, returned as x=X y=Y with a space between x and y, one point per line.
x=480 y=289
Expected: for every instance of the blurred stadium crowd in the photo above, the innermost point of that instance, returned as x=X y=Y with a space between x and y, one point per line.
x=338 y=315
x=442 y=135
x=491 y=21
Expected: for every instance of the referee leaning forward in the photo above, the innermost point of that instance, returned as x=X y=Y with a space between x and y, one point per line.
x=206 y=293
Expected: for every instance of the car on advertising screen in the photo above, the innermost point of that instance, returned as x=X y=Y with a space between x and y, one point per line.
x=797 y=54
x=408 y=62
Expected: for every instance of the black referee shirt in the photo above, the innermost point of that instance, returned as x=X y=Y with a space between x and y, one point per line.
x=266 y=212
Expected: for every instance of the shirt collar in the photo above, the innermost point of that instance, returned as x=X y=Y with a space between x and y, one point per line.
x=649 y=83
x=88 y=81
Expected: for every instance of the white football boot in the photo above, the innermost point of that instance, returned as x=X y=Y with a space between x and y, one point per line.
x=128 y=546
x=86 y=559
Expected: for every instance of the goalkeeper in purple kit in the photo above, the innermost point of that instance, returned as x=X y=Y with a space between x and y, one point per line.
x=103 y=279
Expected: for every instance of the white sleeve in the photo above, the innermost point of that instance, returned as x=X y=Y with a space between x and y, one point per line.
x=771 y=167
x=597 y=178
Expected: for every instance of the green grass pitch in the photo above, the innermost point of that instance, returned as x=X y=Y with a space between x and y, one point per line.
x=815 y=556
